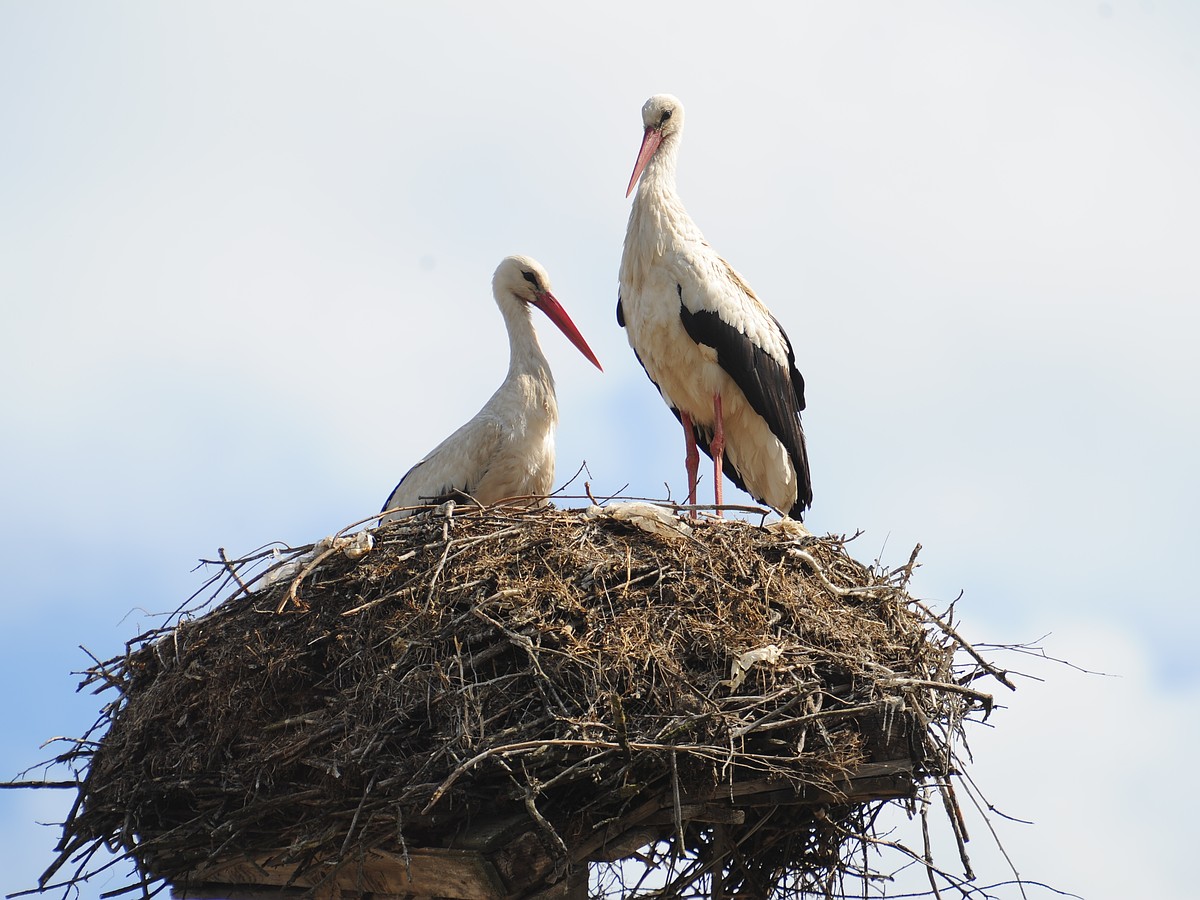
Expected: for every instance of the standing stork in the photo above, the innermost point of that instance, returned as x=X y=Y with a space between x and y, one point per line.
x=507 y=449
x=719 y=358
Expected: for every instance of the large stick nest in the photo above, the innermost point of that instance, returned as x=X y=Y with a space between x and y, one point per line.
x=743 y=698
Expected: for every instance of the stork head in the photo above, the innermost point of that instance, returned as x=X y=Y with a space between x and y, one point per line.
x=525 y=281
x=662 y=117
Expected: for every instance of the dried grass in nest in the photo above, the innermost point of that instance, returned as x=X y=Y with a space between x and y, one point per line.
x=574 y=671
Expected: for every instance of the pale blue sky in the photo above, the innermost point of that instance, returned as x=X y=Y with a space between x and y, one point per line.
x=245 y=252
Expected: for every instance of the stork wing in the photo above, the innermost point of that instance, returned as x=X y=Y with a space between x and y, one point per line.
x=773 y=387
x=454 y=466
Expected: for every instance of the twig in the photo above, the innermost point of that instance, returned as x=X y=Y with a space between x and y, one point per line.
x=676 y=806
x=527 y=789
x=293 y=594
x=984 y=700
x=928 y=857
x=808 y=559
x=357 y=813
x=233 y=573
x=908 y=567
x=1000 y=675
x=957 y=825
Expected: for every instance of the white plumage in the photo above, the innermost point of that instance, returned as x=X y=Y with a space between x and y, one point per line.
x=507 y=449
x=718 y=356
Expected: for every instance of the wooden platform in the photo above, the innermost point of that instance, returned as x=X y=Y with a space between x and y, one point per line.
x=512 y=859
x=461 y=874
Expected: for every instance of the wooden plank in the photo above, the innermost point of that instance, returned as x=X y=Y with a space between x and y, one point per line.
x=461 y=874
x=525 y=861
x=458 y=874
x=870 y=781
x=652 y=820
x=488 y=835
x=508 y=857
x=239 y=892
x=573 y=887
x=704 y=813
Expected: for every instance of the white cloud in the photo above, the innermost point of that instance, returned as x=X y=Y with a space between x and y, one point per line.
x=232 y=240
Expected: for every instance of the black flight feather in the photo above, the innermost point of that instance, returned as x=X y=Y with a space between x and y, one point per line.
x=774 y=391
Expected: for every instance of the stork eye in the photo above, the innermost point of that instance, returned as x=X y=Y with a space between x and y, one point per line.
x=530 y=277
x=666 y=115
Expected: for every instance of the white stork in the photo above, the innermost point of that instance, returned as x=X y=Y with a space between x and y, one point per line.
x=719 y=358
x=507 y=449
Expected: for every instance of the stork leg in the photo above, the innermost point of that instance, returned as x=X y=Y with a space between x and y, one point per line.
x=692 y=460
x=717 y=448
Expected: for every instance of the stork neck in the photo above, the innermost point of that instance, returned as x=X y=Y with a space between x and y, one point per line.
x=658 y=178
x=525 y=356
x=658 y=221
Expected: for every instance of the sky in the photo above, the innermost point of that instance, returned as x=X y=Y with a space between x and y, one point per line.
x=245 y=263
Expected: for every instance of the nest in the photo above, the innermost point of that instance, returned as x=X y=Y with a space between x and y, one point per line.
x=537 y=691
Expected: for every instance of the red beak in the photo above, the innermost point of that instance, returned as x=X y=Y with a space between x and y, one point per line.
x=555 y=313
x=650 y=141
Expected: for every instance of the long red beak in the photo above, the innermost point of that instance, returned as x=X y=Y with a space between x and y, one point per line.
x=650 y=141
x=548 y=304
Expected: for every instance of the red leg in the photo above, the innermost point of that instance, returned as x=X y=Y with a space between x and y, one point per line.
x=692 y=460
x=717 y=446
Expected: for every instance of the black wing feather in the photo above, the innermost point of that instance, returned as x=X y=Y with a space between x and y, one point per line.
x=441 y=495
x=774 y=391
